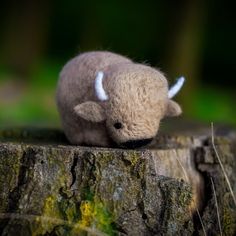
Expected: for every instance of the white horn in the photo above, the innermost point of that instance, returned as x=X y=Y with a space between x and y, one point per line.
x=100 y=92
x=175 y=88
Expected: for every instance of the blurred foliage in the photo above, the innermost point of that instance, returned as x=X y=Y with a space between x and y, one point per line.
x=193 y=38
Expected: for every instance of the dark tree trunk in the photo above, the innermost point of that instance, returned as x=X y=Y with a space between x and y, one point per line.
x=48 y=187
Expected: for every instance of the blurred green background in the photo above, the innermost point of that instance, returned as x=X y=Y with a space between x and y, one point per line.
x=196 y=39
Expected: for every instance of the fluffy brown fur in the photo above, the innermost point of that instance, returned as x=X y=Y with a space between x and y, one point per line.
x=138 y=100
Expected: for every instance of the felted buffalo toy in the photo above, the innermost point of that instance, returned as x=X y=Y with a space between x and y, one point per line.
x=105 y=98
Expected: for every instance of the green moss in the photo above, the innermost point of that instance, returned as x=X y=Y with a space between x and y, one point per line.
x=178 y=197
x=88 y=194
x=229 y=216
x=185 y=197
x=58 y=213
x=66 y=218
x=9 y=168
x=229 y=223
x=95 y=214
x=132 y=157
x=49 y=217
x=106 y=157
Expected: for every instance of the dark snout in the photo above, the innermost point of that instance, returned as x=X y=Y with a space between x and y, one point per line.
x=136 y=143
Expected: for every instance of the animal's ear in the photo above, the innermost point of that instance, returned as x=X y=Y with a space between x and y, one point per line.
x=90 y=111
x=173 y=109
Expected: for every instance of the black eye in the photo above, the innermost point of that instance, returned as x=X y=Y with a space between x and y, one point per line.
x=118 y=125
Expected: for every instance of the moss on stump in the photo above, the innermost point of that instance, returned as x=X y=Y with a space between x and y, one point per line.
x=48 y=187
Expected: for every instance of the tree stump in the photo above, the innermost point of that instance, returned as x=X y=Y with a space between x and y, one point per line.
x=48 y=187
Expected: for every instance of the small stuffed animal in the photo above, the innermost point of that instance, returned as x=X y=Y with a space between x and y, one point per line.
x=105 y=98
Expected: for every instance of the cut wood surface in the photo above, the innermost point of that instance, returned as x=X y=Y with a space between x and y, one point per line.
x=48 y=187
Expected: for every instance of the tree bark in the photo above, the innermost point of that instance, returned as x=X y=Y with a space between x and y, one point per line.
x=48 y=187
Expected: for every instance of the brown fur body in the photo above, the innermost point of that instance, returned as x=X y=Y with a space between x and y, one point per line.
x=137 y=99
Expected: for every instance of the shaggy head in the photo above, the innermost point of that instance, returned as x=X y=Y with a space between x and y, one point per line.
x=132 y=99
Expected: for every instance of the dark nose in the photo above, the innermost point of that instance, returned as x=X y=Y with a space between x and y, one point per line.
x=136 y=143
